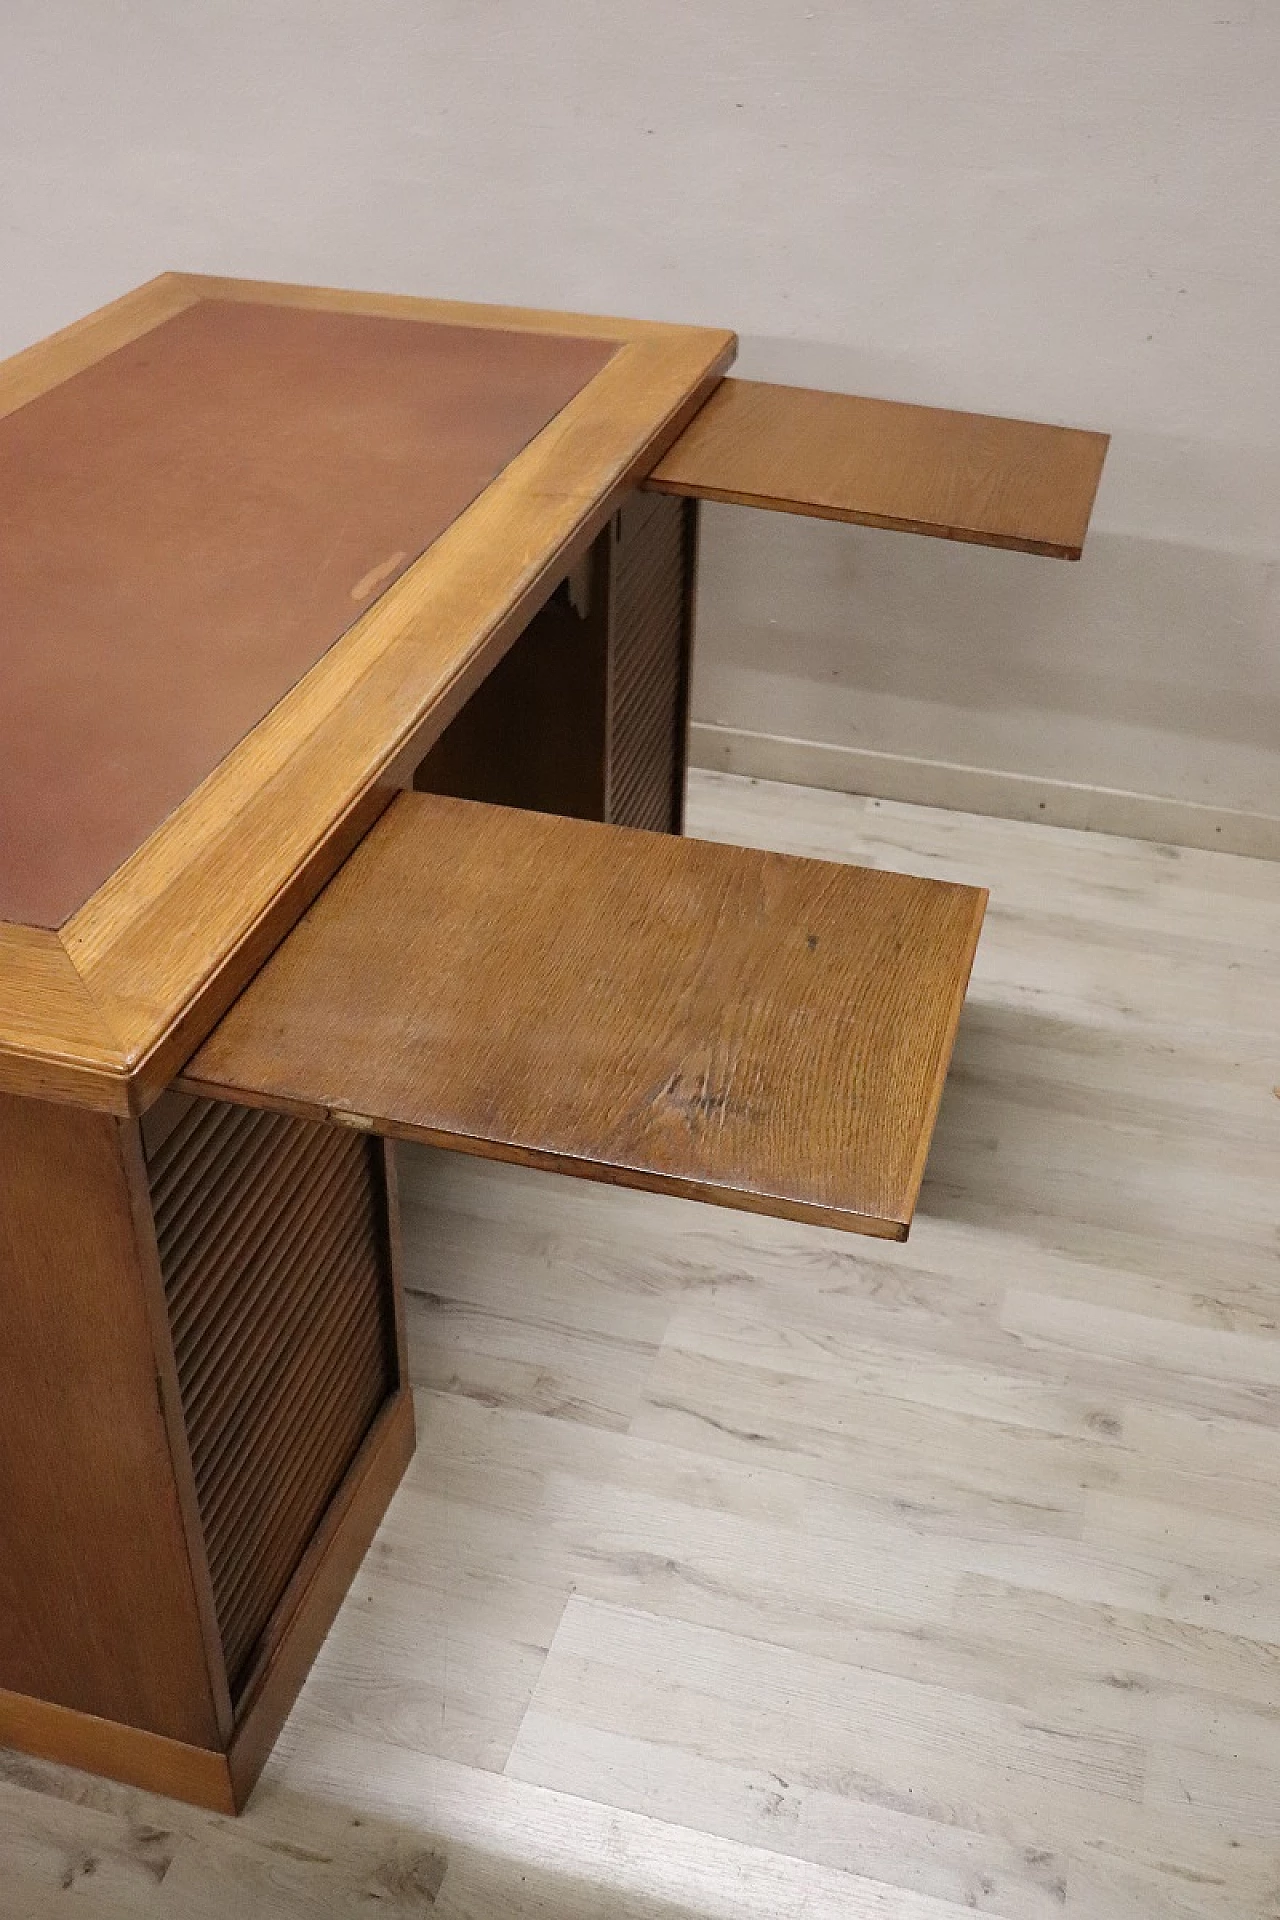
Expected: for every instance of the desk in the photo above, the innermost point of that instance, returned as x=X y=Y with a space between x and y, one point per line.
x=342 y=717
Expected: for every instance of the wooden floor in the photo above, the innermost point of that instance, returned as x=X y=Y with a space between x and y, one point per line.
x=750 y=1569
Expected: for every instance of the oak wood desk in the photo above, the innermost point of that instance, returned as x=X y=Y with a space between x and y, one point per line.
x=343 y=684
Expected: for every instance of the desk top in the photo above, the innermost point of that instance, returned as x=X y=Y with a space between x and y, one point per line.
x=259 y=544
x=191 y=522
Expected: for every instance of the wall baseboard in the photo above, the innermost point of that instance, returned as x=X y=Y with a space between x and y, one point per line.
x=1012 y=796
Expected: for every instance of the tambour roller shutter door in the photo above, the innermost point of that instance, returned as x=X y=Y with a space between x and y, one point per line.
x=272 y=1241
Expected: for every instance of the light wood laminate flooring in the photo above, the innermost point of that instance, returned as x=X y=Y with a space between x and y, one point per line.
x=752 y=1569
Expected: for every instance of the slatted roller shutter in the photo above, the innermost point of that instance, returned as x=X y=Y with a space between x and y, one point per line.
x=649 y=638
x=272 y=1239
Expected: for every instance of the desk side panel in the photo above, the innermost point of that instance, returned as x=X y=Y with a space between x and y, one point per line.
x=98 y=1606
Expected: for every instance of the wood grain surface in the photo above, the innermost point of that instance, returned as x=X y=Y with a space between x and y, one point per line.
x=151 y=1761
x=749 y=1570
x=736 y=1026
x=883 y=463
x=98 y=1609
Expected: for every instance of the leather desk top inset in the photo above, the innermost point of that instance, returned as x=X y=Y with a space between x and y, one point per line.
x=190 y=523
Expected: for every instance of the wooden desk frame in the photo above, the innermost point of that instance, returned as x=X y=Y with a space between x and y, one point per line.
x=141 y=1656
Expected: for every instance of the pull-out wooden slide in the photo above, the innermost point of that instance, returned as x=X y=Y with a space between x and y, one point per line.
x=737 y=1026
x=882 y=463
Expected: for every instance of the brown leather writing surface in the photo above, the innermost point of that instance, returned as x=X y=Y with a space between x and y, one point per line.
x=189 y=524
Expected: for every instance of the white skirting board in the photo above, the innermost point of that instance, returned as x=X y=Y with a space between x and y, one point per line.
x=1012 y=796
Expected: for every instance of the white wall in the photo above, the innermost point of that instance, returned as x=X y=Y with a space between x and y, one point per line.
x=1064 y=210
